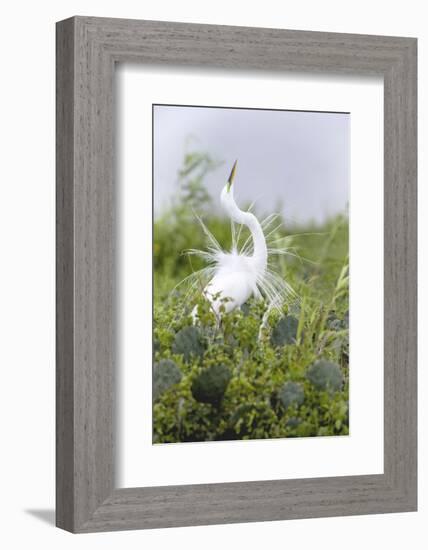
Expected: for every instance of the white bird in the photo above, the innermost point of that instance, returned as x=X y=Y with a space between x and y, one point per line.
x=235 y=276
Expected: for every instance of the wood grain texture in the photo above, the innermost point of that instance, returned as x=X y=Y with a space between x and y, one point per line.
x=87 y=50
x=64 y=276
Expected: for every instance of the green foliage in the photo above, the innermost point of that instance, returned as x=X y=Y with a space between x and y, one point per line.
x=165 y=374
x=291 y=382
x=195 y=167
x=210 y=385
x=251 y=421
x=325 y=375
x=291 y=393
x=188 y=343
x=285 y=331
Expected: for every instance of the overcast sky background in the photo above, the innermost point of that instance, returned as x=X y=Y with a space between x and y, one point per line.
x=297 y=159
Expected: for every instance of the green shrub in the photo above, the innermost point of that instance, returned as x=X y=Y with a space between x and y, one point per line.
x=188 y=343
x=211 y=384
x=165 y=374
x=325 y=375
x=253 y=421
x=291 y=393
x=285 y=331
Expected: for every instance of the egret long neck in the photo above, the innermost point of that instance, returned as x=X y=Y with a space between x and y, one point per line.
x=260 y=253
x=248 y=219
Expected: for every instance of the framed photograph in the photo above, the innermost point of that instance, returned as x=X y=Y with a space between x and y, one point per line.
x=251 y=271
x=236 y=274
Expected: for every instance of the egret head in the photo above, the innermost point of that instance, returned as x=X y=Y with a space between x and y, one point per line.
x=226 y=196
x=231 y=177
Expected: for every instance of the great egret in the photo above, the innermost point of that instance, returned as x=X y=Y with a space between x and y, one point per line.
x=233 y=277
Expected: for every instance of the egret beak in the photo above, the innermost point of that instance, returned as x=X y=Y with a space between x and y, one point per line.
x=232 y=176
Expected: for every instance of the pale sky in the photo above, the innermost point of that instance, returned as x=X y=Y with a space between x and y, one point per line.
x=298 y=159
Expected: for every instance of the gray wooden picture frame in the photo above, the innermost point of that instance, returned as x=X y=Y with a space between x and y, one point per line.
x=87 y=51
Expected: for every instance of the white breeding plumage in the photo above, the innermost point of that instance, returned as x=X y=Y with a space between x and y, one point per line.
x=233 y=277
